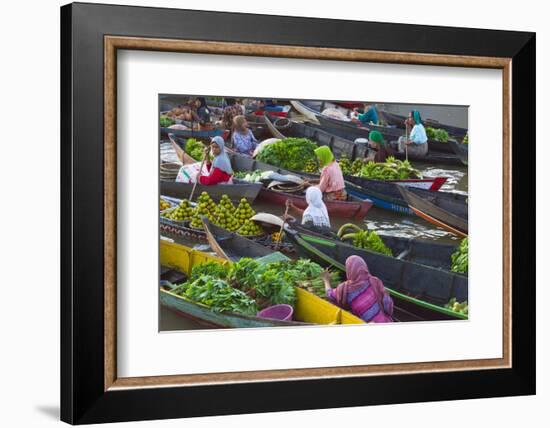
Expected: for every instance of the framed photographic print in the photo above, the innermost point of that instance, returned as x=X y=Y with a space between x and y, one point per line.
x=264 y=213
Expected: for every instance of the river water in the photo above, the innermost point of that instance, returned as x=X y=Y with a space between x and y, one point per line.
x=383 y=221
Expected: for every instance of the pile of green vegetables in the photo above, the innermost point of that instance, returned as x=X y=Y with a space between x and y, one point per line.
x=289 y=153
x=392 y=169
x=165 y=121
x=195 y=149
x=248 y=286
x=459 y=259
x=437 y=134
x=360 y=238
x=249 y=176
x=465 y=140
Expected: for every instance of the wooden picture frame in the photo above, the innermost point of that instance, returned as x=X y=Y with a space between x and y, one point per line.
x=91 y=390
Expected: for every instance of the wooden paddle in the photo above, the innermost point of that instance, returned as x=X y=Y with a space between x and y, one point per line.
x=281 y=229
x=406 y=141
x=197 y=180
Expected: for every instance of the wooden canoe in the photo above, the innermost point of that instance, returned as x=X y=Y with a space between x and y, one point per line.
x=398 y=121
x=352 y=209
x=235 y=191
x=343 y=144
x=308 y=310
x=416 y=250
x=386 y=194
x=419 y=291
x=437 y=152
x=461 y=150
x=450 y=214
x=305 y=110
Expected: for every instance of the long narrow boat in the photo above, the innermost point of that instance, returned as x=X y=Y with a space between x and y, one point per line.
x=235 y=191
x=308 y=309
x=461 y=151
x=450 y=214
x=386 y=194
x=423 y=251
x=345 y=145
x=398 y=120
x=437 y=151
x=178 y=144
x=419 y=291
x=306 y=110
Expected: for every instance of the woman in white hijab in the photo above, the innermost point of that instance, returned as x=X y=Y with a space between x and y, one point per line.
x=316 y=213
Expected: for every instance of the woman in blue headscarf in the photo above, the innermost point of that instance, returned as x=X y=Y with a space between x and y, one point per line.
x=417 y=141
x=219 y=169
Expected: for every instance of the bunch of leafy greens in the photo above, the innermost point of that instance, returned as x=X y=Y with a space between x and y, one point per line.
x=246 y=286
x=391 y=169
x=214 y=269
x=437 y=134
x=165 y=121
x=459 y=259
x=195 y=149
x=219 y=295
x=289 y=153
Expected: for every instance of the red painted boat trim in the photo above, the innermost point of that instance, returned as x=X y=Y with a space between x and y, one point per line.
x=271 y=113
x=439 y=223
x=437 y=182
x=352 y=209
x=349 y=104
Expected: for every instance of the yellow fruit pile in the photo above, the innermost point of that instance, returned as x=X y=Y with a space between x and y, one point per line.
x=164 y=205
x=182 y=212
x=243 y=212
x=250 y=228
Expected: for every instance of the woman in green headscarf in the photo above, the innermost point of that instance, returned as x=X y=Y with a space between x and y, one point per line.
x=417 y=141
x=332 y=180
x=380 y=149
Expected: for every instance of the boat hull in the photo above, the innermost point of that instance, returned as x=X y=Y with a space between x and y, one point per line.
x=235 y=192
x=461 y=150
x=448 y=214
x=419 y=291
x=345 y=209
x=386 y=194
x=309 y=309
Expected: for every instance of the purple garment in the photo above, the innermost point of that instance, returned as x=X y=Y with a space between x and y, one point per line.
x=244 y=143
x=364 y=303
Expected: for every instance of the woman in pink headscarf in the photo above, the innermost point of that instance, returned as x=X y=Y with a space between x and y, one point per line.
x=364 y=294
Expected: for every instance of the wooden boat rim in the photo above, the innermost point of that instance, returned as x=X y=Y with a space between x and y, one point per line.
x=298 y=236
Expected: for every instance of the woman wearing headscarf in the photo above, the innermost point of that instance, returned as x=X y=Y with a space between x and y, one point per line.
x=219 y=169
x=417 y=142
x=242 y=137
x=202 y=110
x=380 y=148
x=369 y=115
x=332 y=180
x=363 y=294
x=315 y=216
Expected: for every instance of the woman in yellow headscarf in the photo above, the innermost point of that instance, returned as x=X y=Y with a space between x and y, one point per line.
x=332 y=180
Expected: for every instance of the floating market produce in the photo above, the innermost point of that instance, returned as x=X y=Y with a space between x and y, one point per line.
x=382 y=239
